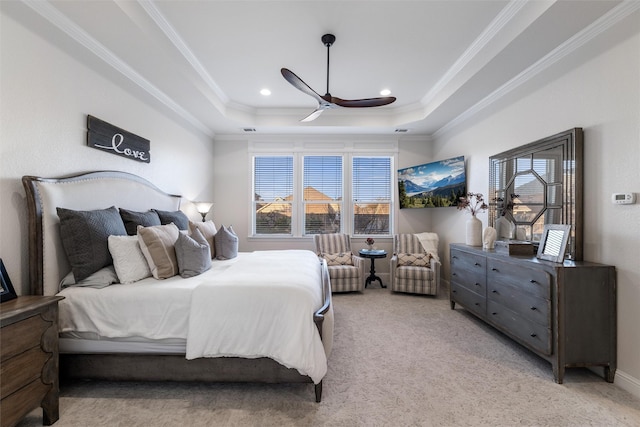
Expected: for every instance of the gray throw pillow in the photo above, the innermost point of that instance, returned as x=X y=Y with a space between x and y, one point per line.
x=85 y=237
x=193 y=254
x=177 y=217
x=133 y=219
x=226 y=243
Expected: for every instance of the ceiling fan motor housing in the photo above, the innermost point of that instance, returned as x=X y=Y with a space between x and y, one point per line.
x=328 y=39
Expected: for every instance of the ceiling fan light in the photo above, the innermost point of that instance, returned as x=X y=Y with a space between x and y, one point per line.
x=265 y=92
x=385 y=92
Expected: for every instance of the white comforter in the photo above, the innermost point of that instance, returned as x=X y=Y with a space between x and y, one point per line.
x=259 y=304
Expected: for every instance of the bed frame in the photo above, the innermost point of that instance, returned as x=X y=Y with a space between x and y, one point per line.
x=48 y=264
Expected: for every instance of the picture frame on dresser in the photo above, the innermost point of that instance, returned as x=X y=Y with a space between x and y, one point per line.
x=8 y=293
x=553 y=242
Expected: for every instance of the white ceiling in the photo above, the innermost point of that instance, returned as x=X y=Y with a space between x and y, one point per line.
x=205 y=62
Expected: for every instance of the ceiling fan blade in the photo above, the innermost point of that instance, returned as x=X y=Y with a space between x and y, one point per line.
x=300 y=85
x=369 y=102
x=316 y=113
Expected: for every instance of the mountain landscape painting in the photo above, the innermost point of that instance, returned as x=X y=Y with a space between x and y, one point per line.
x=432 y=185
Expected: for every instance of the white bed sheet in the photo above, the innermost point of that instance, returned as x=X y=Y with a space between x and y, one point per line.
x=242 y=307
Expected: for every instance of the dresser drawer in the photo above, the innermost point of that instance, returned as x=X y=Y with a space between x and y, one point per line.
x=20 y=403
x=532 y=281
x=469 y=270
x=469 y=300
x=17 y=371
x=535 y=335
x=531 y=307
x=17 y=337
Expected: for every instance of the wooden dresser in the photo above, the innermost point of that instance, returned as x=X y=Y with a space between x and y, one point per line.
x=29 y=358
x=565 y=313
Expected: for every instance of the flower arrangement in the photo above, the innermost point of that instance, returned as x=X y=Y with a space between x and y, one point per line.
x=503 y=207
x=473 y=202
x=369 y=241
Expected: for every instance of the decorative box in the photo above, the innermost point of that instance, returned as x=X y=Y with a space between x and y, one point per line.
x=514 y=247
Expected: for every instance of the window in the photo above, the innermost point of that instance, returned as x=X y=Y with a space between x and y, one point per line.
x=273 y=194
x=371 y=195
x=322 y=189
x=313 y=191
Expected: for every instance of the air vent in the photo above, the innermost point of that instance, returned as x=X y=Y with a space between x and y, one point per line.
x=402 y=130
x=249 y=129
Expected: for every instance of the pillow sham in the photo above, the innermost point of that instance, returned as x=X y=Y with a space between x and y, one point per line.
x=133 y=219
x=100 y=279
x=128 y=261
x=158 y=247
x=342 y=258
x=415 y=260
x=84 y=238
x=208 y=230
x=226 y=243
x=176 y=217
x=193 y=254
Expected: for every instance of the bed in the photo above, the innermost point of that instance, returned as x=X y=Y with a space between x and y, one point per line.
x=210 y=327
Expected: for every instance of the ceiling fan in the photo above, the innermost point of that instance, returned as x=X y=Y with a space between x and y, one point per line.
x=327 y=101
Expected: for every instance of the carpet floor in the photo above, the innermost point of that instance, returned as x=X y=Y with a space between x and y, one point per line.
x=398 y=360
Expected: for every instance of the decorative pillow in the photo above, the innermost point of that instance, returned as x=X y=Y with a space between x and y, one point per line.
x=84 y=238
x=128 y=260
x=193 y=254
x=416 y=260
x=176 y=217
x=100 y=279
x=342 y=258
x=133 y=219
x=226 y=243
x=208 y=230
x=158 y=247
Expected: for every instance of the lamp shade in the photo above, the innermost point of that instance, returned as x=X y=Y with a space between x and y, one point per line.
x=203 y=208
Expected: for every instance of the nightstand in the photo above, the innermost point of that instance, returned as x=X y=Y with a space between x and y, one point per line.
x=29 y=358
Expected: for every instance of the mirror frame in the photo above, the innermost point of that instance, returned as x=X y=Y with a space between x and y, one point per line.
x=569 y=184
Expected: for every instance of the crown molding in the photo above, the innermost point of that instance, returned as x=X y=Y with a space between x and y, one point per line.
x=54 y=16
x=598 y=27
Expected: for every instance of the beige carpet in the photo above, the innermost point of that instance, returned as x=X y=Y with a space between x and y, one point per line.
x=398 y=360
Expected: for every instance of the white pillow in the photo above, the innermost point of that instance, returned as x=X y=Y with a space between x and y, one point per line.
x=128 y=260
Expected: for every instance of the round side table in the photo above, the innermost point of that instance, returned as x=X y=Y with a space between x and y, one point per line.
x=373 y=254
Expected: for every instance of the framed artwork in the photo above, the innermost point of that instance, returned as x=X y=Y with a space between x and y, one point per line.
x=8 y=293
x=432 y=185
x=553 y=243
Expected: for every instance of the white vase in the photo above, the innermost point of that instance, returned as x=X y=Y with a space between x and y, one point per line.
x=474 y=232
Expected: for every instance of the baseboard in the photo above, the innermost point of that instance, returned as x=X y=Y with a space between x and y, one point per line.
x=627 y=383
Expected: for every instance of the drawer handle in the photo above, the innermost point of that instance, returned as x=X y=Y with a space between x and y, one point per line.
x=494 y=313
x=534 y=335
x=477 y=264
x=533 y=308
x=532 y=281
x=494 y=291
x=453 y=274
x=494 y=269
x=477 y=303
x=454 y=257
x=454 y=291
x=477 y=284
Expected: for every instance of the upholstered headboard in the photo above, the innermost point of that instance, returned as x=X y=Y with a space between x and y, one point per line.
x=95 y=190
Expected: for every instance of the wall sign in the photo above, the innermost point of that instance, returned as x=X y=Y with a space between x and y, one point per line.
x=107 y=137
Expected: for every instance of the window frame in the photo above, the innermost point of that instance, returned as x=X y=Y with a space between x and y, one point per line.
x=348 y=150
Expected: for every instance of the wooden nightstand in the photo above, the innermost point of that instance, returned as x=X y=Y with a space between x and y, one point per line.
x=29 y=358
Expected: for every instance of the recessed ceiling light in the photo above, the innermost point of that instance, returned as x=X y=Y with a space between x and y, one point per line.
x=265 y=92
x=385 y=92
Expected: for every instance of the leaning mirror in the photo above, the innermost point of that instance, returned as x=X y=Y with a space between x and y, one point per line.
x=538 y=184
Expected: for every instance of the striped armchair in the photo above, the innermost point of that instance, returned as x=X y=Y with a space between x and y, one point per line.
x=346 y=270
x=414 y=269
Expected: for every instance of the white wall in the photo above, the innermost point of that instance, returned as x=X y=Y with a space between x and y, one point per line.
x=601 y=95
x=45 y=96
